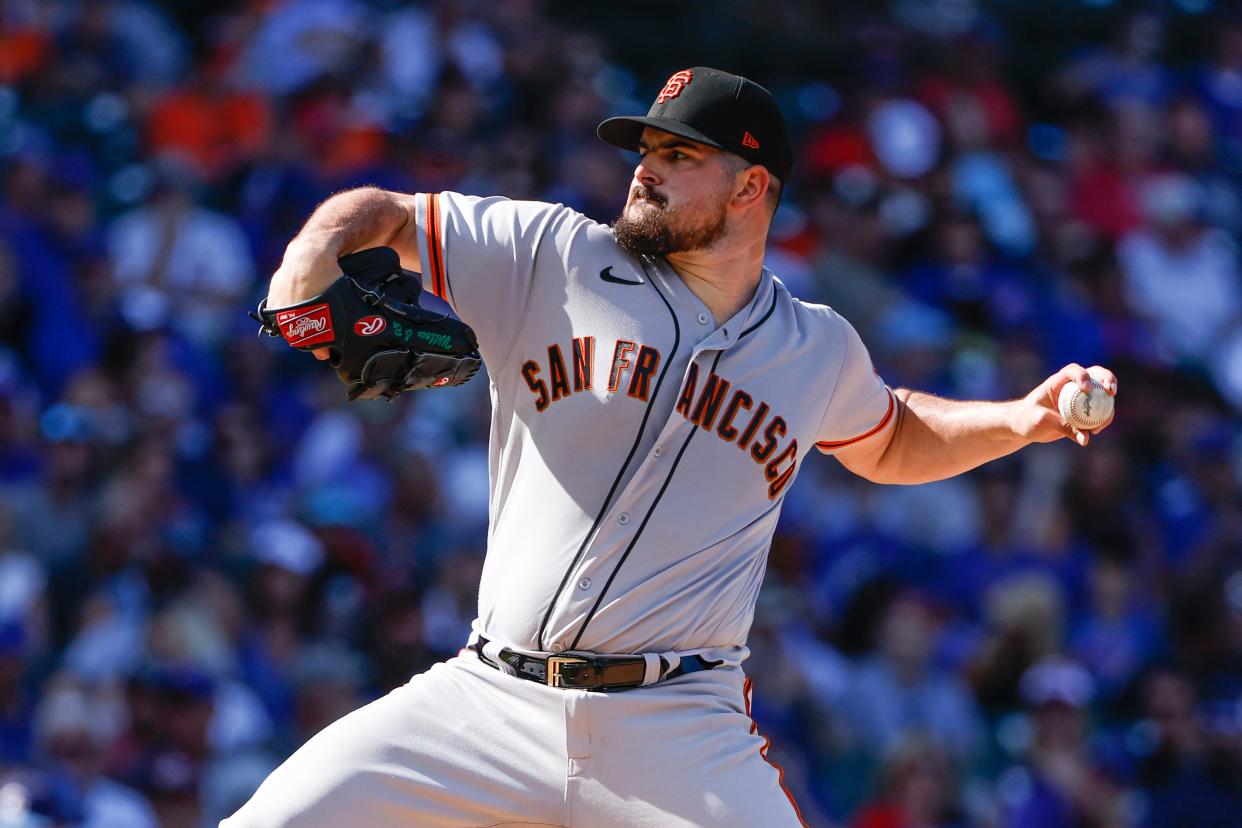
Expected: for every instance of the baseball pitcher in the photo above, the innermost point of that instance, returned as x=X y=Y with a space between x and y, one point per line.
x=655 y=391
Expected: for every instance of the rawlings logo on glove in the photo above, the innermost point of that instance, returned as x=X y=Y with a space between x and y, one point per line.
x=370 y=325
x=305 y=326
x=379 y=340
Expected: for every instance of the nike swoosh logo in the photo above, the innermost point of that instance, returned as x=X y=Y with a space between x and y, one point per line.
x=607 y=275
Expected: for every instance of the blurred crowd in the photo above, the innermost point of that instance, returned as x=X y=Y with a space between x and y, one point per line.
x=206 y=556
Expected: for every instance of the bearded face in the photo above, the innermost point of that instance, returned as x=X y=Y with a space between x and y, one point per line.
x=650 y=225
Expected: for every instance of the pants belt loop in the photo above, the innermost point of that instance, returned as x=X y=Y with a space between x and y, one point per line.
x=491 y=651
x=653 y=669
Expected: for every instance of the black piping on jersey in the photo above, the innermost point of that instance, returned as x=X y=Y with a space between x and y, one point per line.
x=650 y=511
x=639 y=532
x=638 y=438
x=771 y=310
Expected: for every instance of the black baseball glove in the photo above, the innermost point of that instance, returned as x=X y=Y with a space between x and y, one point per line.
x=379 y=340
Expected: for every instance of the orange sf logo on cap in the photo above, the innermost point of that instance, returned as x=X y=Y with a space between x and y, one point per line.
x=674 y=85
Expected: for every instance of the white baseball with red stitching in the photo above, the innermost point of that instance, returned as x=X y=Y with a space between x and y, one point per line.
x=1082 y=410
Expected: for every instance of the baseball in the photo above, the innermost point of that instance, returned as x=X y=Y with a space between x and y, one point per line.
x=1084 y=410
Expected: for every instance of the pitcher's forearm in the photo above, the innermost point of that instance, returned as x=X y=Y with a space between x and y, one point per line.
x=348 y=221
x=934 y=438
x=938 y=438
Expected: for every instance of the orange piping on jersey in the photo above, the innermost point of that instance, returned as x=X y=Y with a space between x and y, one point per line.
x=892 y=407
x=441 y=276
x=763 y=751
x=436 y=264
x=429 y=266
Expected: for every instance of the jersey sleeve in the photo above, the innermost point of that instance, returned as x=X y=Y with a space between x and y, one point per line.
x=479 y=255
x=861 y=405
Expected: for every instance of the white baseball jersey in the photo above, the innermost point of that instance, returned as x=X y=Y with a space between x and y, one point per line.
x=640 y=452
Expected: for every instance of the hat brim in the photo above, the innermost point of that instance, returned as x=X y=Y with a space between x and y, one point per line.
x=625 y=130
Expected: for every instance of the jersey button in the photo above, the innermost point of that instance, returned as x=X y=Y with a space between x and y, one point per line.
x=702 y=319
x=558 y=647
x=585 y=583
x=623 y=518
x=658 y=451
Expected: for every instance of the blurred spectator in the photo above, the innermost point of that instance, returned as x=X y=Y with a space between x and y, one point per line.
x=1193 y=148
x=916 y=791
x=56 y=508
x=1219 y=80
x=17 y=697
x=1102 y=189
x=1118 y=635
x=1060 y=786
x=210 y=124
x=395 y=639
x=329 y=681
x=166 y=749
x=178 y=263
x=74 y=728
x=43 y=302
x=905 y=137
x=289 y=554
x=1025 y=620
x=450 y=602
x=301 y=40
x=1128 y=70
x=898 y=690
x=1193 y=773
x=1179 y=273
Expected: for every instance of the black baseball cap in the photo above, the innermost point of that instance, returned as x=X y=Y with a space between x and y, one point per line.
x=716 y=108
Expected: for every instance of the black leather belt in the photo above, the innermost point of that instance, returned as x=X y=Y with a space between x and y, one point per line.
x=588 y=671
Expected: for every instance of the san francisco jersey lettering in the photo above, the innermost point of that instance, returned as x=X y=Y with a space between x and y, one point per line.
x=777 y=472
x=640 y=450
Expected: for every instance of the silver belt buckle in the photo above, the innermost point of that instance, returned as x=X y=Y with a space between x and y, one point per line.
x=557 y=672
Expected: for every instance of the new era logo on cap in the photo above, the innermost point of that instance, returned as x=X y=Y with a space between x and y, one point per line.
x=748 y=140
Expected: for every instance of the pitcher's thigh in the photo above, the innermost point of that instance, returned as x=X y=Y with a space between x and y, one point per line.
x=447 y=750
x=677 y=765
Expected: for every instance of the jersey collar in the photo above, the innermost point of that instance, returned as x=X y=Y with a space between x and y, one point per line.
x=689 y=305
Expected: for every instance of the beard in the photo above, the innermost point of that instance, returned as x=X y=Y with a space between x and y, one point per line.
x=657 y=230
